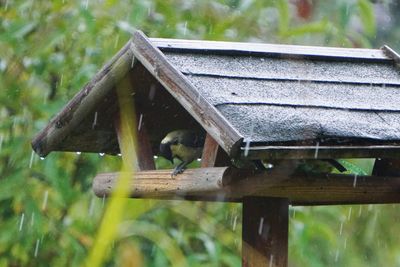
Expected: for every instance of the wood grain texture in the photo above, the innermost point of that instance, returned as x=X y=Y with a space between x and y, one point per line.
x=83 y=103
x=186 y=94
x=213 y=154
x=237 y=48
x=232 y=185
x=265 y=232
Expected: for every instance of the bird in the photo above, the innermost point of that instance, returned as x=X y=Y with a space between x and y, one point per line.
x=186 y=145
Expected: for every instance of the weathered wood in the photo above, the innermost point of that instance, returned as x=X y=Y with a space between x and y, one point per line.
x=160 y=183
x=265 y=232
x=213 y=155
x=145 y=153
x=320 y=152
x=186 y=94
x=389 y=52
x=83 y=103
x=229 y=184
x=236 y=48
x=386 y=167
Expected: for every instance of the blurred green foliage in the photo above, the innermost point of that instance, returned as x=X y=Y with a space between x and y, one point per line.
x=48 y=214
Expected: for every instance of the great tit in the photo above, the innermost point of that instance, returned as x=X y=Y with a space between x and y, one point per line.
x=185 y=145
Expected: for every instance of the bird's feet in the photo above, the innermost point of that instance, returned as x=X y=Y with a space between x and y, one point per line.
x=178 y=170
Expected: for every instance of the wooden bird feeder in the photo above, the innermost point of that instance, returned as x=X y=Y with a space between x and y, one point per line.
x=254 y=101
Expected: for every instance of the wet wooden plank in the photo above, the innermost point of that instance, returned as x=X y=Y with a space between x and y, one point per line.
x=237 y=48
x=186 y=94
x=213 y=155
x=232 y=185
x=265 y=232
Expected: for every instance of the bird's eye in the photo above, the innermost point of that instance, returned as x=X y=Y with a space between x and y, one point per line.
x=175 y=142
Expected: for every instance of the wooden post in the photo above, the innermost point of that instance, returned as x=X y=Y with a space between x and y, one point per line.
x=144 y=153
x=265 y=232
x=213 y=155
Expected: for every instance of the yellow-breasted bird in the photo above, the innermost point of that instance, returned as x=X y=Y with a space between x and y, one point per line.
x=185 y=145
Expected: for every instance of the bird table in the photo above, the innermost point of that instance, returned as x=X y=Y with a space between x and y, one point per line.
x=254 y=102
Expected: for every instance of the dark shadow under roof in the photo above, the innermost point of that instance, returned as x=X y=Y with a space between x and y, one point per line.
x=266 y=96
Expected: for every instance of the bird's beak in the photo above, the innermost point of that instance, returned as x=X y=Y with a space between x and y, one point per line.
x=165 y=152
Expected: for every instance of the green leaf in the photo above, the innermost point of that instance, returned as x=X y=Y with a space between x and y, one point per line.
x=367 y=17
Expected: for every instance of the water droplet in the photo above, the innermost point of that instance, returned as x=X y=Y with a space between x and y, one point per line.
x=94 y=120
x=78 y=152
x=140 y=122
x=337 y=255
x=31 y=160
x=271 y=260
x=119 y=155
x=155 y=157
x=41 y=158
x=152 y=92
x=32 y=219
x=261 y=225
x=199 y=159
x=36 y=248
x=316 y=150
x=349 y=215
x=355 y=180
x=21 y=222
x=359 y=211
x=91 y=206
x=185 y=28
x=234 y=223
x=101 y=154
x=45 y=197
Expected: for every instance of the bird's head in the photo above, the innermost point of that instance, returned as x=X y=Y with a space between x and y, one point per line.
x=165 y=148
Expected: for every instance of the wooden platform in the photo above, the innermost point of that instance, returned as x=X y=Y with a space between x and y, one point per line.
x=232 y=185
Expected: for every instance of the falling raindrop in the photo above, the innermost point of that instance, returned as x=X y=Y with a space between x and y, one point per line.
x=341 y=228
x=345 y=243
x=316 y=150
x=133 y=61
x=21 y=223
x=41 y=158
x=261 y=225
x=102 y=202
x=271 y=260
x=86 y=4
x=155 y=157
x=45 y=197
x=140 y=122
x=359 y=211
x=349 y=215
x=91 y=206
x=199 y=159
x=61 y=79
x=78 y=152
x=32 y=219
x=337 y=255
x=116 y=41
x=101 y=154
x=1 y=141
x=94 y=120
x=31 y=160
x=152 y=92
x=37 y=247
x=185 y=28
x=355 y=180
x=234 y=223
x=119 y=155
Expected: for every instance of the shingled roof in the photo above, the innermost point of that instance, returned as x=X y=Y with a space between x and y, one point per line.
x=256 y=100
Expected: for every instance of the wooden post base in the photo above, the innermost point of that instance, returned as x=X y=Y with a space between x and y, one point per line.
x=265 y=232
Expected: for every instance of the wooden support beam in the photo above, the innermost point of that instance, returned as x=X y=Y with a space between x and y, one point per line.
x=213 y=155
x=265 y=232
x=144 y=153
x=229 y=184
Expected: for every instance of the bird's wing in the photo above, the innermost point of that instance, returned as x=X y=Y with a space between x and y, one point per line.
x=192 y=139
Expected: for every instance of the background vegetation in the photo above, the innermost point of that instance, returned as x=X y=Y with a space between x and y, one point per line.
x=48 y=214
